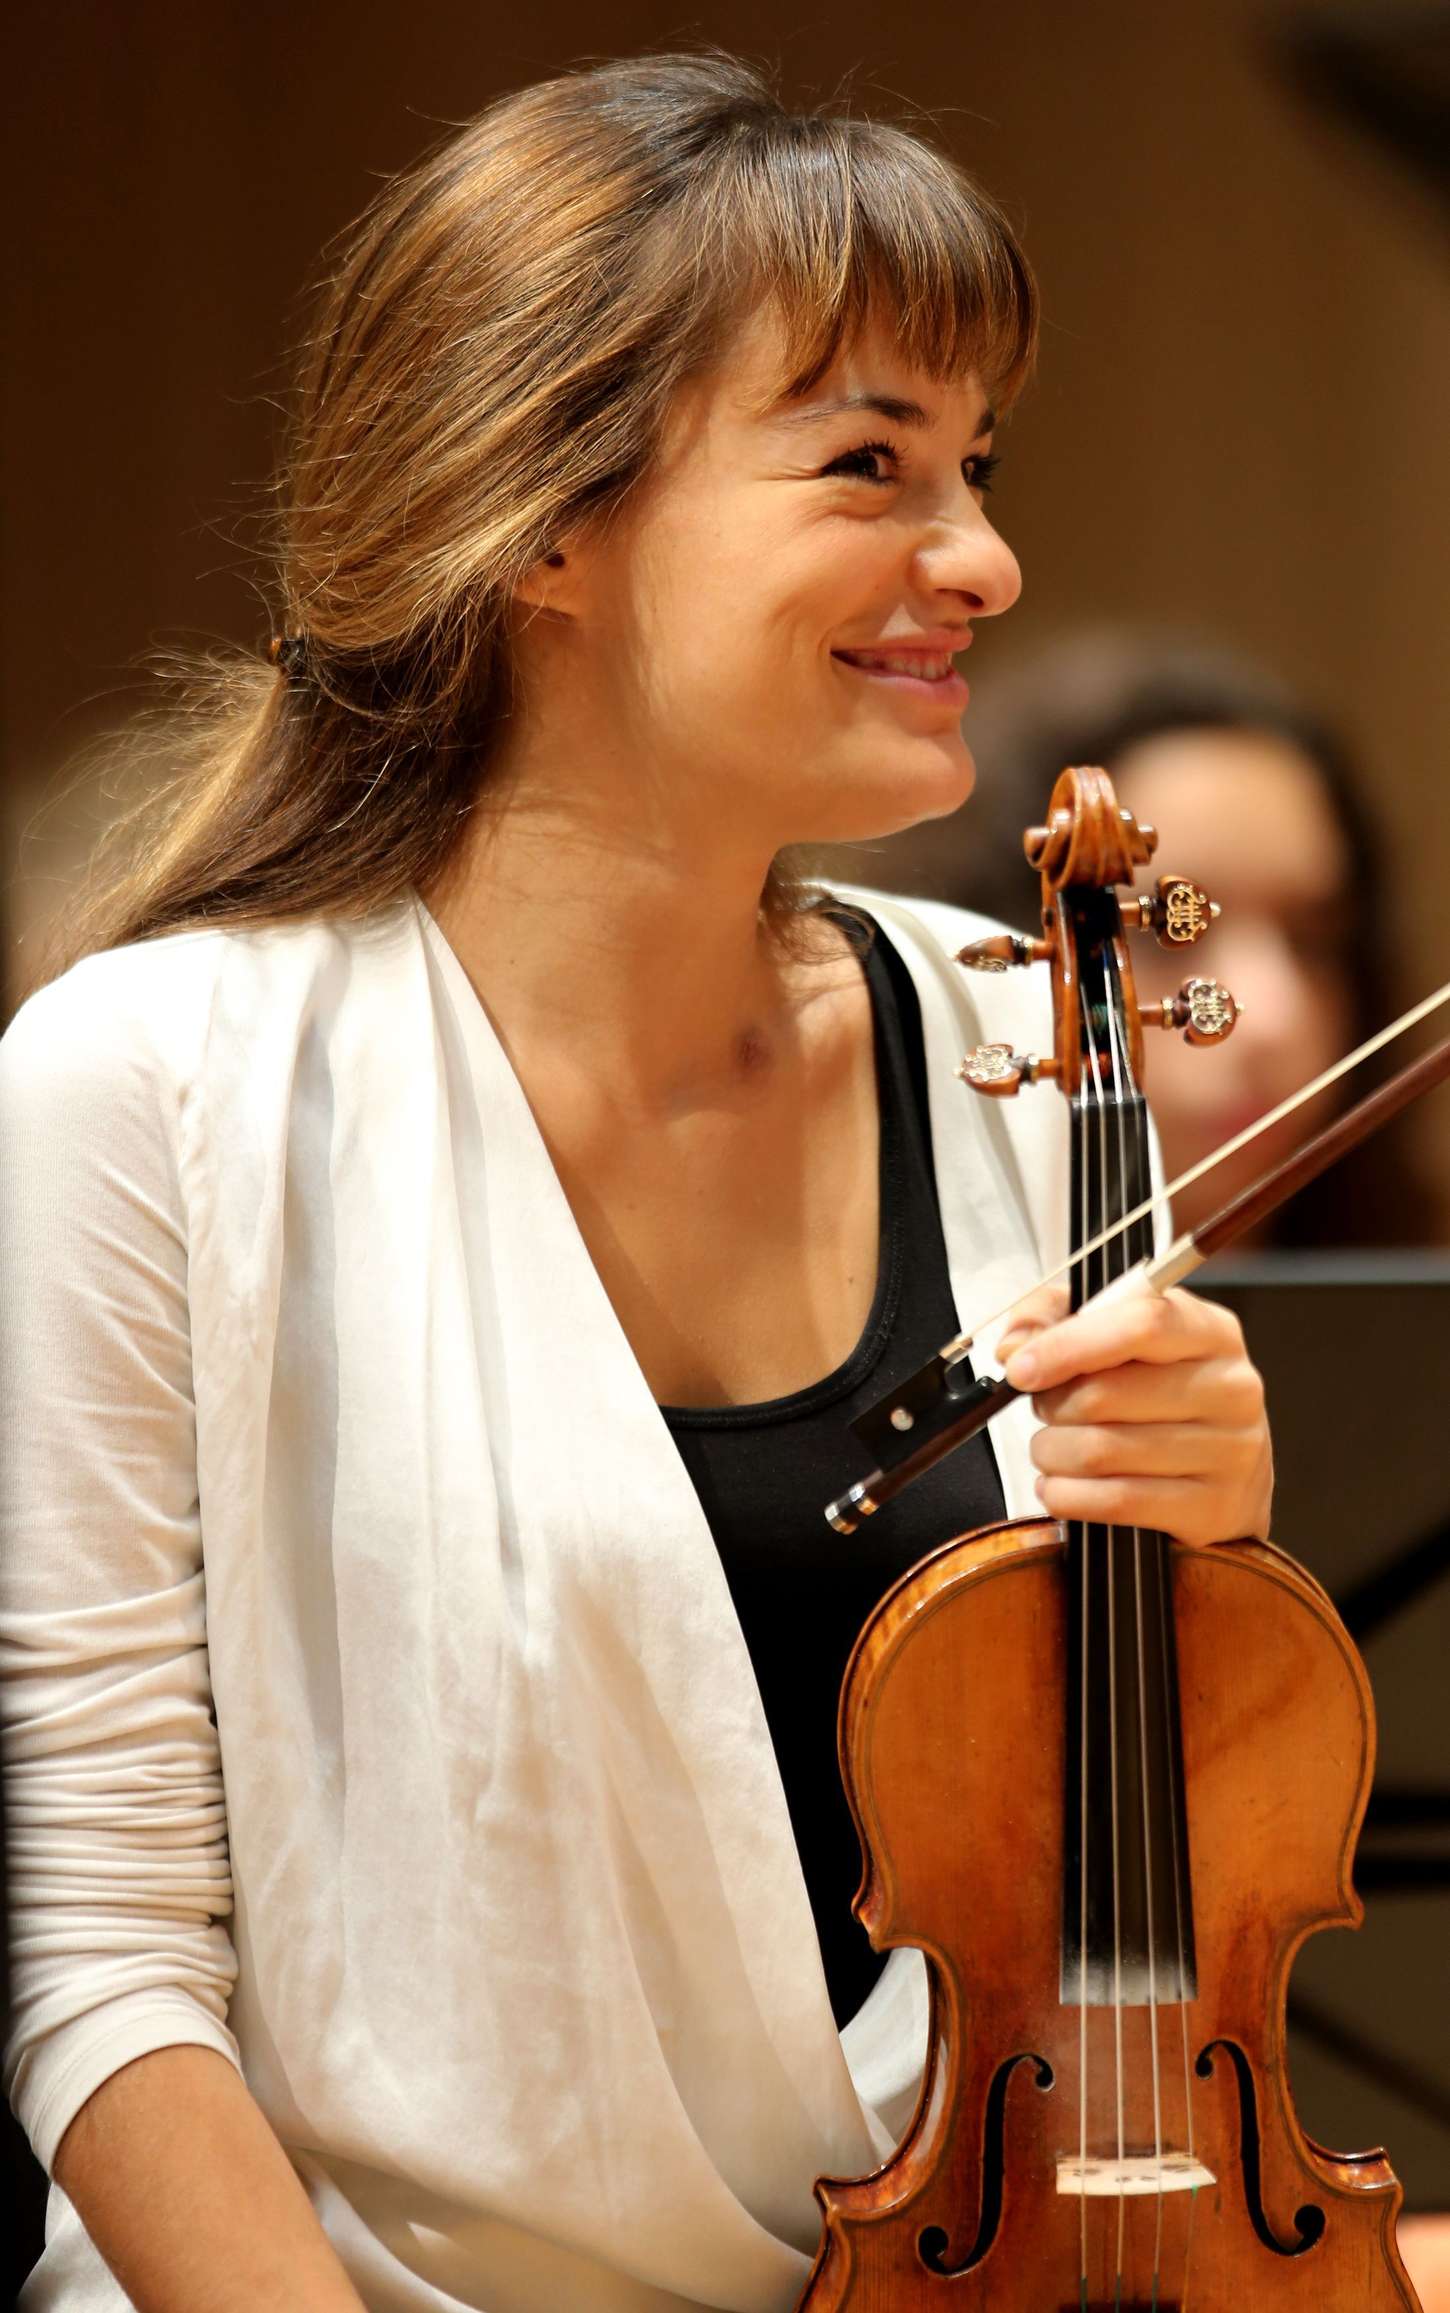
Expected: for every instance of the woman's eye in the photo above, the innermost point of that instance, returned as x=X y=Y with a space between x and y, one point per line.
x=862 y=461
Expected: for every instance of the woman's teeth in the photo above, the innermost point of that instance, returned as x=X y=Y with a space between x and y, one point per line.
x=934 y=670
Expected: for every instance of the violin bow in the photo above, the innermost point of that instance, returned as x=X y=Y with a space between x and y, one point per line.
x=942 y=1405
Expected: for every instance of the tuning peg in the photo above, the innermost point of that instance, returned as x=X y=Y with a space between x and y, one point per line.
x=1203 y=1009
x=1177 y=912
x=999 y=1071
x=1147 y=836
x=1002 y=951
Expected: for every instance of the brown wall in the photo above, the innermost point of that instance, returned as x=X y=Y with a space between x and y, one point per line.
x=1239 y=421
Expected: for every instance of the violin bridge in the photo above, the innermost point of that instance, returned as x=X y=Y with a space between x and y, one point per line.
x=1136 y=2172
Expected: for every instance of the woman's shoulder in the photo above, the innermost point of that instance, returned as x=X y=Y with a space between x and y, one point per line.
x=146 y=1012
x=112 y=1018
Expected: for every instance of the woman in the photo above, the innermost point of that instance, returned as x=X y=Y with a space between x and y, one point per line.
x=459 y=1189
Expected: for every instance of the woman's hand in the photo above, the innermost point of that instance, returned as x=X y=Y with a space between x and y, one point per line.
x=1153 y=1415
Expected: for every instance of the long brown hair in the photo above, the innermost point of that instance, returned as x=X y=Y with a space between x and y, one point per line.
x=490 y=364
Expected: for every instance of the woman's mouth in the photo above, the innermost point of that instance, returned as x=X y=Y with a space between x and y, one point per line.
x=923 y=674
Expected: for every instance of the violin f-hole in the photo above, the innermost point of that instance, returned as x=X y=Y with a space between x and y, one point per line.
x=1310 y=2218
x=935 y=2241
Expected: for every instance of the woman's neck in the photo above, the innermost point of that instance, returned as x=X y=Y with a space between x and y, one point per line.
x=638 y=966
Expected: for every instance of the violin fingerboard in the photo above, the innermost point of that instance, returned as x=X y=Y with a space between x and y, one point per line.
x=1127 y=1901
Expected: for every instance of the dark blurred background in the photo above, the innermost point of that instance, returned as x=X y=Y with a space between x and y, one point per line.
x=1237 y=210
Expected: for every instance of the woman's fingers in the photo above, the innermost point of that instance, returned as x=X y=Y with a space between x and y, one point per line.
x=1144 y=1449
x=1038 y=1310
x=1219 y=1389
x=1146 y=1327
x=1151 y=1413
x=1190 y=1509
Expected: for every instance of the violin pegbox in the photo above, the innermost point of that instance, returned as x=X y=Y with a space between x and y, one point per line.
x=1090 y=844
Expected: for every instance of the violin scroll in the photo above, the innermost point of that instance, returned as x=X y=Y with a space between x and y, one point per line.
x=1089 y=837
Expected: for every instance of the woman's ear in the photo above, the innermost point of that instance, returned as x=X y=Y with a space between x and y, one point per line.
x=553 y=582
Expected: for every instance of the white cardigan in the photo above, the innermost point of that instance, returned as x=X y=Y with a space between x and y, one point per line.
x=377 y=1713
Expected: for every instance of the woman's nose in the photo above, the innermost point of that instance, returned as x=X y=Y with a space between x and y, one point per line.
x=969 y=557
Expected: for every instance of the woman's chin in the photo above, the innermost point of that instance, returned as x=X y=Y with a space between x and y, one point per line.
x=917 y=795
x=863 y=804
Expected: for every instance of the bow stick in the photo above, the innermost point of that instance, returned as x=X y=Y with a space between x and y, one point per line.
x=941 y=1406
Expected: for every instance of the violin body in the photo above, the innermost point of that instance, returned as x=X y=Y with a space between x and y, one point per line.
x=956 y=1748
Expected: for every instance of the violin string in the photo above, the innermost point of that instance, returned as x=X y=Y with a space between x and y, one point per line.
x=1165 y=1579
x=1082 y=2007
x=1160 y=1199
x=1148 y=1873
x=1182 y=1960
x=1111 y=1539
x=1122 y=1081
x=1118 y=1541
x=1188 y=2246
x=1112 y=1572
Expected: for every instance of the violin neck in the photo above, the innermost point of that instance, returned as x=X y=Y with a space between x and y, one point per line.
x=1127 y=1913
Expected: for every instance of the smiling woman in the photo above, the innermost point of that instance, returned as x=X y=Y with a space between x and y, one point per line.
x=463 y=1183
x=492 y=365
x=771 y=618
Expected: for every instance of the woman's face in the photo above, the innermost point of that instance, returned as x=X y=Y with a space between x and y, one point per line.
x=725 y=636
x=1247 y=816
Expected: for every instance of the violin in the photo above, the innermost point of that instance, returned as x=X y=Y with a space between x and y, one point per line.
x=1107 y=1784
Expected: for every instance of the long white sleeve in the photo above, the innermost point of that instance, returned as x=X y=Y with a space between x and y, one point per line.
x=117 y=1825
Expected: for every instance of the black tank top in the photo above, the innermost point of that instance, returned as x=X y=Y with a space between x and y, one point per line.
x=764 y=1473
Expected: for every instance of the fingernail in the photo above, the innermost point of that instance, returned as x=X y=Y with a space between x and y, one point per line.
x=1039 y=1487
x=1021 y=1369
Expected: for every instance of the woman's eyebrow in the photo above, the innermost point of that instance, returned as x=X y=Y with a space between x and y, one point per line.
x=896 y=407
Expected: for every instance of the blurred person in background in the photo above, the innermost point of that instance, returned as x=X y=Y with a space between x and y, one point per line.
x=1258 y=799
